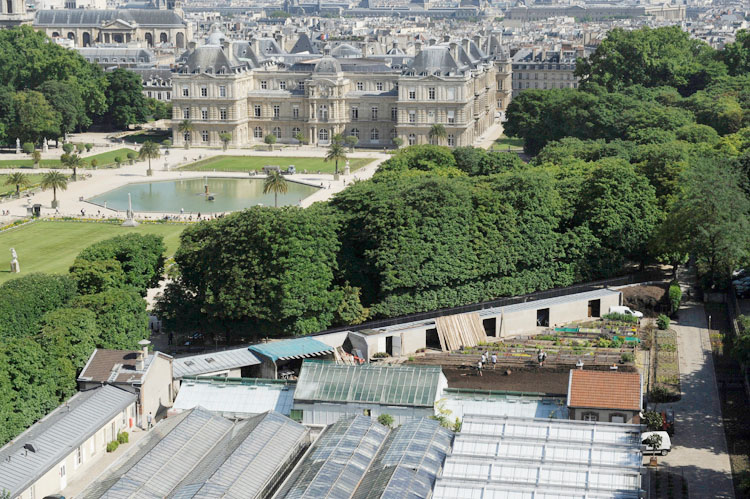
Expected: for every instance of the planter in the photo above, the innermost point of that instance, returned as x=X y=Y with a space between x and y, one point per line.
x=149 y=172
x=55 y=204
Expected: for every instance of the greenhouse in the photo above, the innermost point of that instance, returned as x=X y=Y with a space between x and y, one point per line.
x=327 y=391
x=495 y=457
x=337 y=461
x=408 y=462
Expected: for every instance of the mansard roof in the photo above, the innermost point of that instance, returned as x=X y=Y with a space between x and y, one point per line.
x=95 y=18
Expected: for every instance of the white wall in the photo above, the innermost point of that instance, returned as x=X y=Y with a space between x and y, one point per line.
x=322 y=414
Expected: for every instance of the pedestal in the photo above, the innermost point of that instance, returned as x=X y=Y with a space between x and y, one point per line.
x=15 y=267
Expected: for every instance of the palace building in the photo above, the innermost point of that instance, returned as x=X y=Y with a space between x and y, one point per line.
x=251 y=89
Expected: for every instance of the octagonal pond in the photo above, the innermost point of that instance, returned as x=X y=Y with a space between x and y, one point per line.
x=225 y=194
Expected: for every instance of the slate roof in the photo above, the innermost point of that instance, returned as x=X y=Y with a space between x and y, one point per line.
x=605 y=390
x=322 y=381
x=57 y=435
x=213 y=362
x=297 y=348
x=435 y=58
x=95 y=18
x=303 y=44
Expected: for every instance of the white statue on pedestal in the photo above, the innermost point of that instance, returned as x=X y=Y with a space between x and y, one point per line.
x=45 y=145
x=18 y=146
x=347 y=170
x=15 y=267
x=130 y=221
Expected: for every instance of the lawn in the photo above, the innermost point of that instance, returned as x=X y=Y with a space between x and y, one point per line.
x=8 y=189
x=52 y=246
x=104 y=159
x=250 y=163
x=503 y=143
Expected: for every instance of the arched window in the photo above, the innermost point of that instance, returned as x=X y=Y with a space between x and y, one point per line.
x=374 y=134
x=163 y=38
x=258 y=132
x=323 y=134
x=323 y=113
x=295 y=131
x=354 y=132
x=277 y=132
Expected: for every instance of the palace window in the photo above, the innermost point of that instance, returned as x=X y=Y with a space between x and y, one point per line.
x=431 y=93
x=257 y=111
x=355 y=113
x=412 y=139
x=323 y=113
x=393 y=133
x=379 y=86
x=282 y=85
x=412 y=117
x=301 y=85
x=264 y=85
x=451 y=140
x=258 y=132
x=354 y=132
x=223 y=113
x=186 y=113
x=276 y=111
x=360 y=86
x=295 y=112
x=374 y=113
x=374 y=134
x=277 y=132
x=204 y=135
x=412 y=94
x=204 y=114
x=185 y=92
x=295 y=131
x=451 y=117
x=204 y=91
x=222 y=91
x=451 y=93
x=323 y=134
x=394 y=114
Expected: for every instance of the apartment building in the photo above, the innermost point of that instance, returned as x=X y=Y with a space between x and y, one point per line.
x=543 y=69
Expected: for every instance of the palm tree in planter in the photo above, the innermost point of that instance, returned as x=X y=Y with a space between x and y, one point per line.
x=72 y=161
x=19 y=180
x=186 y=129
x=275 y=183
x=37 y=157
x=437 y=133
x=336 y=153
x=225 y=138
x=149 y=150
x=54 y=181
x=300 y=138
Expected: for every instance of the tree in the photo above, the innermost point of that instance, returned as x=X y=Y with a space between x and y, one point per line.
x=300 y=138
x=27 y=147
x=141 y=258
x=68 y=148
x=97 y=275
x=271 y=270
x=736 y=55
x=270 y=139
x=336 y=152
x=226 y=138
x=386 y=420
x=398 y=142
x=437 y=133
x=54 y=181
x=72 y=161
x=351 y=142
x=19 y=180
x=26 y=299
x=186 y=128
x=94 y=163
x=66 y=99
x=121 y=316
x=711 y=220
x=36 y=119
x=652 y=420
x=36 y=156
x=131 y=157
x=276 y=183
x=125 y=102
x=148 y=151
x=665 y=56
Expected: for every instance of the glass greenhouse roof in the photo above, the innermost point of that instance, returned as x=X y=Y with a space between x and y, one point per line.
x=377 y=384
x=408 y=462
x=337 y=461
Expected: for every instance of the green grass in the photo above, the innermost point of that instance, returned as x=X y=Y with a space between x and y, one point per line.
x=503 y=143
x=105 y=158
x=250 y=163
x=35 y=179
x=52 y=246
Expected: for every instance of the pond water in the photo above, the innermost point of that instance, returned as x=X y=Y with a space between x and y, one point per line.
x=229 y=194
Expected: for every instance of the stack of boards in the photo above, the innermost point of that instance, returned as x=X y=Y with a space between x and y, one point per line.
x=457 y=331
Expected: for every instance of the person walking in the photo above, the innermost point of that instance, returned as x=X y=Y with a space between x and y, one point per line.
x=494 y=360
x=149 y=419
x=479 y=367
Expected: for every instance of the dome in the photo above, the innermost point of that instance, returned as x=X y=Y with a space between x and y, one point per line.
x=346 y=50
x=216 y=37
x=328 y=65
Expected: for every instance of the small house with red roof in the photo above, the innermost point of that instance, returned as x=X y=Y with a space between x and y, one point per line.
x=607 y=396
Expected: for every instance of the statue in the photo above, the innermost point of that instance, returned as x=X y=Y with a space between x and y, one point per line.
x=129 y=221
x=347 y=170
x=15 y=267
x=45 y=145
x=18 y=146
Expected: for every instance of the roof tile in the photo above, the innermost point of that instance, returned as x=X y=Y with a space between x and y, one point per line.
x=605 y=390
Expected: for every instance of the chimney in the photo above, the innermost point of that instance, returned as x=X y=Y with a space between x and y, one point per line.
x=477 y=40
x=191 y=46
x=454 y=51
x=140 y=363
x=446 y=38
x=417 y=48
x=431 y=42
x=225 y=45
x=465 y=44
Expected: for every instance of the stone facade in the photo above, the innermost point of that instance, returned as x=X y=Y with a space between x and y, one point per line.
x=13 y=13
x=233 y=87
x=544 y=70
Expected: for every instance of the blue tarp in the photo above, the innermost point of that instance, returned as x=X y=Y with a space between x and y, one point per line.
x=298 y=348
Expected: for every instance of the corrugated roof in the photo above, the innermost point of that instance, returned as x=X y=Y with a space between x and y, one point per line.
x=55 y=436
x=377 y=384
x=235 y=399
x=213 y=362
x=297 y=348
x=605 y=390
x=408 y=462
x=337 y=461
x=517 y=457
